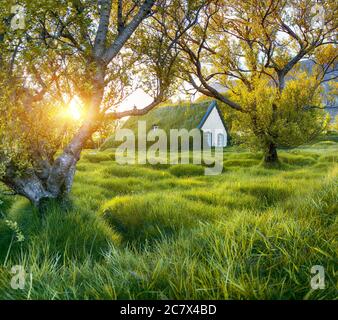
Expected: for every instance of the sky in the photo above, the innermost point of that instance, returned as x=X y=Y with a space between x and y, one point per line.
x=138 y=98
x=141 y=99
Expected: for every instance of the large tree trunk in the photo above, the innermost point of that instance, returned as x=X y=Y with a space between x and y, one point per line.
x=270 y=155
x=39 y=189
x=28 y=185
x=57 y=184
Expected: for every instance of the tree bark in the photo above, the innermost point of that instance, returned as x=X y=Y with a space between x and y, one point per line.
x=28 y=185
x=271 y=155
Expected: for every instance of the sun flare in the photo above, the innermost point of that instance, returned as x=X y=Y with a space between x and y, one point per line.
x=74 y=109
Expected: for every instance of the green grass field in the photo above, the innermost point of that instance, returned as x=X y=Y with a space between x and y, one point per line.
x=159 y=232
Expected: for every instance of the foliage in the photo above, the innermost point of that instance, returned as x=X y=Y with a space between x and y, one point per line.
x=279 y=118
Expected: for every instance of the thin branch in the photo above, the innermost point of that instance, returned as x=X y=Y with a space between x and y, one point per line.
x=138 y=112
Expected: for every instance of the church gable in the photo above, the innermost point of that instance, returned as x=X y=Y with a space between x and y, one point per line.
x=213 y=127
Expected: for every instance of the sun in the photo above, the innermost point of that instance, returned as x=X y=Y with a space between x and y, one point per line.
x=74 y=109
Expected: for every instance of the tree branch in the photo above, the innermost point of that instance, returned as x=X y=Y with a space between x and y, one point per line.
x=138 y=112
x=101 y=35
x=122 y=38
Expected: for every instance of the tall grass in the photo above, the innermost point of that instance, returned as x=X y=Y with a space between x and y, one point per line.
x=143 y=232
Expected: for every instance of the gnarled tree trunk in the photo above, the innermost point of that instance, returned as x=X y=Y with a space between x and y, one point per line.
x=57 y=183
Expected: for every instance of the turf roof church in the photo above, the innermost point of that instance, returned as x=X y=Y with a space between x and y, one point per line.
x=212 y=125
x=205 y=116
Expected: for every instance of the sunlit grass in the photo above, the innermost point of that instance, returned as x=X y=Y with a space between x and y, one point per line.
x=162 y=232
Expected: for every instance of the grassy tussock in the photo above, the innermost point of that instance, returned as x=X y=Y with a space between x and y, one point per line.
x=149 y=217
x=186 y=170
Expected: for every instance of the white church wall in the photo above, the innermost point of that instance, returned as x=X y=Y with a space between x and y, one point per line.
x=214 y=125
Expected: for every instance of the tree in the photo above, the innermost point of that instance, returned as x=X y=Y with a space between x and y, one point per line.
x=67 y=49
x=255 y=49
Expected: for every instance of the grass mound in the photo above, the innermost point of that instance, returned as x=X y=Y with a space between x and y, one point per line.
x=297 y=160
x=97 y=157
x=240 y=163
x=329 y=158
x=75 y=235
x=217 y=197
x=152 y=216
x=134 y=171
x=186 y=170
x=267 y=195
